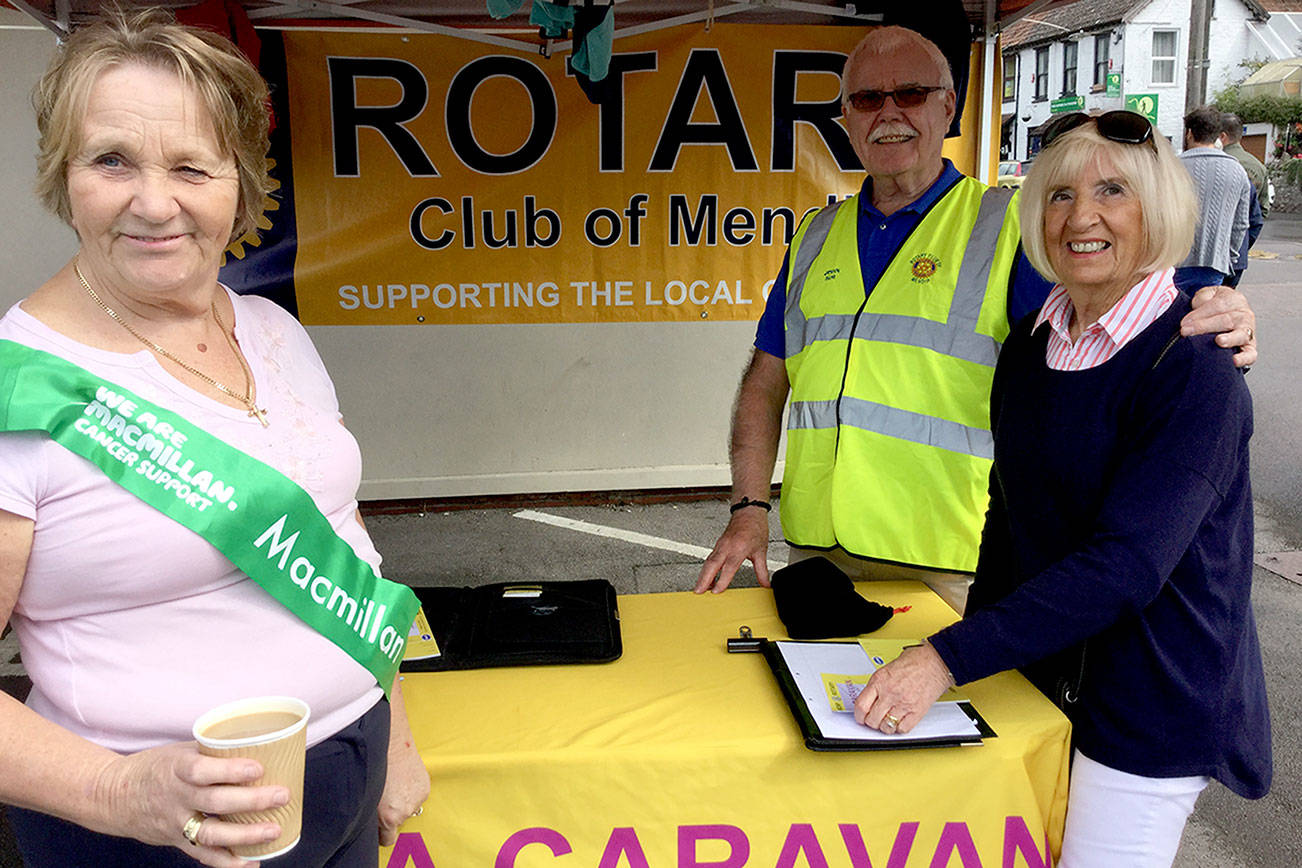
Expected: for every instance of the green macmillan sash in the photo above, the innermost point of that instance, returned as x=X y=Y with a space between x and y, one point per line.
x=257 y=517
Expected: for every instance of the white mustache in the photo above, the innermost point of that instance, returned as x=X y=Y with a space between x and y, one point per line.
x=891 y=128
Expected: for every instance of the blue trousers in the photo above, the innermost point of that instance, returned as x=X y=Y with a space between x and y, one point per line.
x=342 y=785
x=1191 y=278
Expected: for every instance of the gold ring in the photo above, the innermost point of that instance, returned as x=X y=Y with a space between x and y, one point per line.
x=1249 y=332
x=420 y=810
x=893 y=721
x=191 y=828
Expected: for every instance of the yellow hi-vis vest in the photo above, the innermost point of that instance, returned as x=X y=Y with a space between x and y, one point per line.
x=888 y=432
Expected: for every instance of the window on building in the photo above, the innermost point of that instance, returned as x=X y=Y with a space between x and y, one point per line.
x=1041 y=73
x=1069 y=50
x=1102 y=44
x=1164 y=44
x=1010 y=77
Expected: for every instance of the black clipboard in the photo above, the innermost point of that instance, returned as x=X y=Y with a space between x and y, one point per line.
x=814 y=738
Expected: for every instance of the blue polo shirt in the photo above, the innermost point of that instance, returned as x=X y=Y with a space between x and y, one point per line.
x=880 y=238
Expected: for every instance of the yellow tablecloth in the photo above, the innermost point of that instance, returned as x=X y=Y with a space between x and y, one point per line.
x=680 y=755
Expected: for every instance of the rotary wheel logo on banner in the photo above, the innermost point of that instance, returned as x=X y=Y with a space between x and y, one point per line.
x=251 y=238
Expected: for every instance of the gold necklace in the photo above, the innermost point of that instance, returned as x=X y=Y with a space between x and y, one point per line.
x=249 y=396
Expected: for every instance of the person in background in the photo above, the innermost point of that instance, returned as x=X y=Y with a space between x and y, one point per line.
x=1232 y=144
x=1224 y=203
x=883 y=328
x=152 y=148
x=1116 y=560
x=1259 y=206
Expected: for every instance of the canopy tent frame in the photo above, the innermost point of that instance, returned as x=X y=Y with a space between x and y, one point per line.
x=988 y=17
x=549 y=46
x=60 y=22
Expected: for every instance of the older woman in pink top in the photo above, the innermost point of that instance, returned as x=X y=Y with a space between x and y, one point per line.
x=153 y=140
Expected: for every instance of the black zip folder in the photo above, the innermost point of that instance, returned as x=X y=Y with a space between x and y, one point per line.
x=520 y=624
x=816 y=740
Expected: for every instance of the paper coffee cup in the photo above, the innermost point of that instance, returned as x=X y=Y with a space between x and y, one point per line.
x=273 y=731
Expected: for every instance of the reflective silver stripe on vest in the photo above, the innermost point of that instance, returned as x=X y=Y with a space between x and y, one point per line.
x=957 y=341
x=978 y=257
x=830 y=327
x=893 y=422
x=820 y=225
x=956 y=337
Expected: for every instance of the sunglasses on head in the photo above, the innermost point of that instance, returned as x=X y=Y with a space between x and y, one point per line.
x=905 y=97
x=1119 y=126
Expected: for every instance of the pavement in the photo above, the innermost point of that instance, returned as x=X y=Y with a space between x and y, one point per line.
x=654 y=542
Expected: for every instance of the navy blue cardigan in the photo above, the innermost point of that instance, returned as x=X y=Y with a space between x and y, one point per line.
x=1120 y=526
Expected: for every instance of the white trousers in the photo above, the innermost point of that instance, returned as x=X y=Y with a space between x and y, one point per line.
x=1120 y=820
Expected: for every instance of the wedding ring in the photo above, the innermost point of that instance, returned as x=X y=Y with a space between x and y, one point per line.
x=418 y=811
x=191 y=828
x=1249 y=332
x=893 y=721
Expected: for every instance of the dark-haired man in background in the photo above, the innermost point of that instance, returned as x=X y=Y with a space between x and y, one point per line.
x=1224 y=200
x=1259 y=206
x=1231 y=139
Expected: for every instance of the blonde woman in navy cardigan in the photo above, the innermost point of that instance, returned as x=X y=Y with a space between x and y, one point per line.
x=1116 y=560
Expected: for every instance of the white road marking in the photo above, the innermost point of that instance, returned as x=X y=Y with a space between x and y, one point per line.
x=642 y=539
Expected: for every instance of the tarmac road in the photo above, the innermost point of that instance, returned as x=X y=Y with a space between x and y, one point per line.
x=1226 y=830
x=467 y=547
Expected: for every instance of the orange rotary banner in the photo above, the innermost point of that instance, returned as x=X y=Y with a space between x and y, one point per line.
x=439 y=180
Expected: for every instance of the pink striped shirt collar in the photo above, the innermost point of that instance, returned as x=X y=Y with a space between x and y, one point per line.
x=1101 y=340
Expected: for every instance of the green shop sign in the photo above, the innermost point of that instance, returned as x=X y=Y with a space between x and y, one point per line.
x=1067 y=104
x=1114 y=84
x=1144 y=104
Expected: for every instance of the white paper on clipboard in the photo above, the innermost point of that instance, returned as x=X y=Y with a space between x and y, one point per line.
x=807 y=661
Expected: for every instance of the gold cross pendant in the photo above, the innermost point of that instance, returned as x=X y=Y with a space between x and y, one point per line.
x=254 y=411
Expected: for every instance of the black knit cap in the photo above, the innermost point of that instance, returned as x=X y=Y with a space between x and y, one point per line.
x=817 y=600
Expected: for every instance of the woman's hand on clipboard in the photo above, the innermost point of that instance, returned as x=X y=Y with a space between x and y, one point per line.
x=899 y=693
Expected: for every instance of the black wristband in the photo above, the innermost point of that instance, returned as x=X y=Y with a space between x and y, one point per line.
x=746 y=501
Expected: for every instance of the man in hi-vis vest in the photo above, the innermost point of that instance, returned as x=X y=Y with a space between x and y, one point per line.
x=884 y=326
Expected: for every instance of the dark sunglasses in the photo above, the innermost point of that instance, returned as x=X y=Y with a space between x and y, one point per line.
x=905 y=97
x=1123 y=127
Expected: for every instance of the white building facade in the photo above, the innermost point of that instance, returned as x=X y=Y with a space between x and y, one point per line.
x=1061 y=60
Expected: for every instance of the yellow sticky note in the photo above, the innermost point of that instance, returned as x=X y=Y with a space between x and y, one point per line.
x=421 y=643
x=843 y=689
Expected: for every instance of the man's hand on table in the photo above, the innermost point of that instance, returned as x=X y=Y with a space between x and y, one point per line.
x=745 y=538
x=899 y=694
